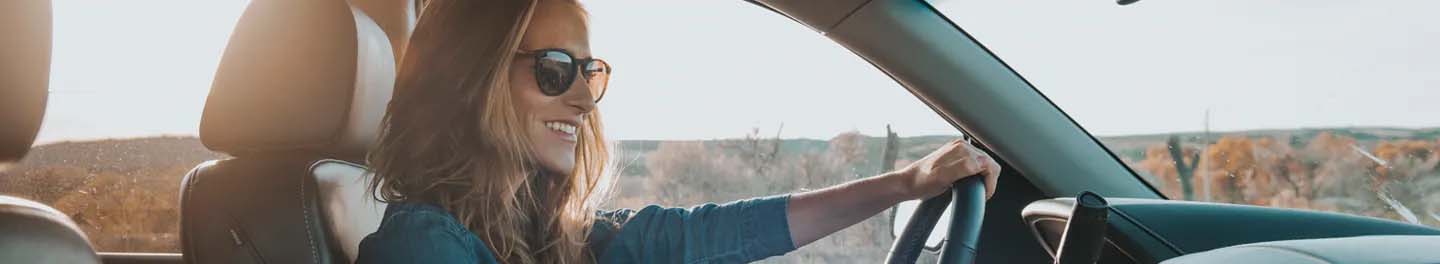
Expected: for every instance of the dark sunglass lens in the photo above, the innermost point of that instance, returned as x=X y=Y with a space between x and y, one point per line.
x=554 y=71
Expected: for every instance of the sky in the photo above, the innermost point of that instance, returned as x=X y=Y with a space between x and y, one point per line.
x=1158 y=65
x=718 y=69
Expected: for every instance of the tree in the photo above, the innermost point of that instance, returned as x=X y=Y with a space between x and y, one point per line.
x=892 y=150
x=1232 y=159
x=848 y=150
x=1184 y=169
x=689 y=172
x=887 y=164
x=759 y=154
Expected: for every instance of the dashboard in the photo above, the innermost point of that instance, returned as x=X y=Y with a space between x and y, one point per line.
x=1152 y=230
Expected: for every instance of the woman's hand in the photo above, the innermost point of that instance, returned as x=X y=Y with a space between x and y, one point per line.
x=933 y=174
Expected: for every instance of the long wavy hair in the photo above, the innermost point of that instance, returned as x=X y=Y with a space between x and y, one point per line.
x=453 y=137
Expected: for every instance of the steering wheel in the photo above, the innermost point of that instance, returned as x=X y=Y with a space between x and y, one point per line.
x=967 y=198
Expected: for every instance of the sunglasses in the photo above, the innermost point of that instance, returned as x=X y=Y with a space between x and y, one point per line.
x=556 y=70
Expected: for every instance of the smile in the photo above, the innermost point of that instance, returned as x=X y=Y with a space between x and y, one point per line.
x=566 y=130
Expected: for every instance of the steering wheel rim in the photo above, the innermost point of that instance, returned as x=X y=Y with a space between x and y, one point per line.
x=967 y=199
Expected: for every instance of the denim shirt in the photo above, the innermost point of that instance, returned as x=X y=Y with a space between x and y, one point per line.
x=736 y=232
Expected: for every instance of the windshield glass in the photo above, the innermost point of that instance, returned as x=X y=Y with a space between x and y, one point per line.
x=1325 y=105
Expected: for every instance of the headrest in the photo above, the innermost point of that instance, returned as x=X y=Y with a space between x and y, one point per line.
x=374 y=84
x=300 y=76
x=24 y=74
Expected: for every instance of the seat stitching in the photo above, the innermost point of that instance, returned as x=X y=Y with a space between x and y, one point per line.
x=305 y=211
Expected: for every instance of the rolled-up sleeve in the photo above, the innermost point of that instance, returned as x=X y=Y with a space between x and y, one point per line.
x=735 y=232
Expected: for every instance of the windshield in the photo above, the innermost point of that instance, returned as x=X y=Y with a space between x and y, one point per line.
x=1325 y=105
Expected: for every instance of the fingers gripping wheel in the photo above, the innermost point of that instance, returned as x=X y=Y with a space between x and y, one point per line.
x=967 y=198
x=908 y=245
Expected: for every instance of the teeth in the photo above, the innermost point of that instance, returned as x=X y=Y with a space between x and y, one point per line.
x=562 y=127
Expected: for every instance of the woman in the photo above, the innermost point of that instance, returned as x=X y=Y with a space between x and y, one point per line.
x=493 y=152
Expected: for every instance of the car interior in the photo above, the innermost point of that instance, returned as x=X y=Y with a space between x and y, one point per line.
x=30 y=232
x=302 y=87
x=289 y=122
x=995 y=105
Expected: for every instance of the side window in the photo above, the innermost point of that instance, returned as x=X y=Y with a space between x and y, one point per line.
x=712 y=106
x=128 y=82
x=738 y=102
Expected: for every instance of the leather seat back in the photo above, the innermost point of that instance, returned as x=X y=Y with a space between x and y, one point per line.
x=252 y=210
x=351 y=213
x=30 y=232
x=289 y=92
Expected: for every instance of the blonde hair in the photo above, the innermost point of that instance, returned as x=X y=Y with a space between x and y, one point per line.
x=453 y=137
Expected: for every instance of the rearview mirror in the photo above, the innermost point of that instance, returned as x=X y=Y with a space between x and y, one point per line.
x=905 y=210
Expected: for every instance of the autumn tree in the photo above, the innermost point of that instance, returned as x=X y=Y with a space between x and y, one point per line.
x=1230 y=163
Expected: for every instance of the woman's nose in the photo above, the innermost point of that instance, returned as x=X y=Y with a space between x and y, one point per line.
x=580 y=97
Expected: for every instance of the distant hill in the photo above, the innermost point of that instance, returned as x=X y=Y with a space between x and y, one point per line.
x=129 y=155
x=51 y=171
x=1133 y=146
x=120 y=155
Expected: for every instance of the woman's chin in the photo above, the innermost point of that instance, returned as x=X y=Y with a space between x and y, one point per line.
x=561 y=166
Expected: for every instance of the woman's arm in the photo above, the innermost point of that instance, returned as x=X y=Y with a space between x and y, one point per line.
x=815 y=214
x=753 y=229
x=736 y=232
